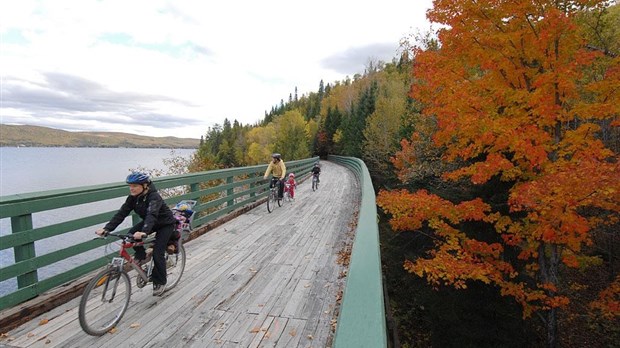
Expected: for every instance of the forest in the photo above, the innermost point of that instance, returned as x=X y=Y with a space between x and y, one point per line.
x=493 y=143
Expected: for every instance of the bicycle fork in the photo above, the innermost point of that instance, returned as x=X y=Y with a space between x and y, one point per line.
x=113 y=276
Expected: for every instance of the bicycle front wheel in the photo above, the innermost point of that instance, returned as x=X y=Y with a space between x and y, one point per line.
x=271 y=202
x=175 y=264
x=105 y=300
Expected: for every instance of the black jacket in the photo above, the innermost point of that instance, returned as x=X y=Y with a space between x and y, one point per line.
x=316 y=170
x=150 y=207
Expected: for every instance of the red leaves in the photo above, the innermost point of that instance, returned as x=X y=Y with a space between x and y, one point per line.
x=608 y=302
x=510 y=93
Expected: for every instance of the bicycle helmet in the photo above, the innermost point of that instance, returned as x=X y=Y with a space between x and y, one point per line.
x=138 y=178
x=276 y=155
x=182 y=206
x=292 y=175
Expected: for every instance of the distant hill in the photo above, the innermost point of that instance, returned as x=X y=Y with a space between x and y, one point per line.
x=35 y=136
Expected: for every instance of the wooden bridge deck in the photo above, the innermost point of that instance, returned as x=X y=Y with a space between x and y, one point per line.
x=259 y=280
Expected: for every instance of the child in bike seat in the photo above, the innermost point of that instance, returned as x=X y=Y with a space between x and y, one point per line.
x=291 y=184
x=156 y=217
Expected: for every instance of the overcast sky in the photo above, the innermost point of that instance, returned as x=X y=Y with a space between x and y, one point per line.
x=175 y=68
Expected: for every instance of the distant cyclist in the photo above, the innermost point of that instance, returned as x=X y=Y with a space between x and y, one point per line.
x=278 y=170
x=156 y=217
x=316 y=171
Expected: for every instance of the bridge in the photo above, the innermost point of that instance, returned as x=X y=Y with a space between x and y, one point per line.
x=306 y=275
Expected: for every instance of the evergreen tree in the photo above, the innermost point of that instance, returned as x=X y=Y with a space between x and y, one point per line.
x=354 y=124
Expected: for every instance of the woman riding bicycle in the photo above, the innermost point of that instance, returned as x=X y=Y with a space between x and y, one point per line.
x=156 y=217
x=278 y=170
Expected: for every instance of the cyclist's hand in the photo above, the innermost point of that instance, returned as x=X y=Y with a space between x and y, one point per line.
x=102 y=232
x=139 y=235
x=264 y=178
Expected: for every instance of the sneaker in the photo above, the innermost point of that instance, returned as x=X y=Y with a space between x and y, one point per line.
x=158 y=289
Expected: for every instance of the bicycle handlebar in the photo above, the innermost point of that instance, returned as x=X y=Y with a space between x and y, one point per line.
x=124 y=237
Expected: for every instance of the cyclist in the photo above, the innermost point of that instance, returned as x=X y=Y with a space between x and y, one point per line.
x=291 y=184
x=316 y=171
x=156 y=216
x=278 y=170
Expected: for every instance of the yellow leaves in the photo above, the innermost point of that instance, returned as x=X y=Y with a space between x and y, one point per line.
x=43 y=322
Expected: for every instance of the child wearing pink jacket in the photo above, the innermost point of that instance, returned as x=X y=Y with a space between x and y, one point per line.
x=291 y=184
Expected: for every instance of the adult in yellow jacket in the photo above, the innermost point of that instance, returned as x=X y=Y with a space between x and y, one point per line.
x=278 y=171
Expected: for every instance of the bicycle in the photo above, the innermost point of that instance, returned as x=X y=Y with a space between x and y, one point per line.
x=315 y=182
x=287 y=192
x=273 y=196
x=106 y=297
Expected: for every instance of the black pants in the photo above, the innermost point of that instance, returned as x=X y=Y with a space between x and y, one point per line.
x=280 y=183
x=164 y=233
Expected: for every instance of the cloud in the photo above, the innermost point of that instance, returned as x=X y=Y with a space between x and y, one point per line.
x=355 y=59
x=65 y=97
x=178 y=67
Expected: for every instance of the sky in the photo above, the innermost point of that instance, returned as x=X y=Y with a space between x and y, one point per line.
x=176 y=68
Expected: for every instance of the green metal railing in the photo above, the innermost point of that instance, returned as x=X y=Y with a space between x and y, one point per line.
x=362 y=314
x=232 y=188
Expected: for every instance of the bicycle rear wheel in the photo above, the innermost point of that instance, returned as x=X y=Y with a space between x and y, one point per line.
x=175 y=264
x=104 y=301
x=314 y=185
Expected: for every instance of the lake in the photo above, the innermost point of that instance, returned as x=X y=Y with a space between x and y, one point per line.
x=32 y=169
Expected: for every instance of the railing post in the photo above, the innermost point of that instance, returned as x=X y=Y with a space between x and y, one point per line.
x=194 y=187
x=25 y=251
x=252 y=185
x=230 y=191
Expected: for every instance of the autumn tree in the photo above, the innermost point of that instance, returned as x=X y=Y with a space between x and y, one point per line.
x=383 y=126
x=291 y=137
x=516 y=102
x=262 y=143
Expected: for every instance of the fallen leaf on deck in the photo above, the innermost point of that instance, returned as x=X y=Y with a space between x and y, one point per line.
x=43 y=321
x=293 y=332
x=134 y=325
x=255 y=330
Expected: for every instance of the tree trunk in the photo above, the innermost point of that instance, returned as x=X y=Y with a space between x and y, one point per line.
x=552 y=328
x=549 y=260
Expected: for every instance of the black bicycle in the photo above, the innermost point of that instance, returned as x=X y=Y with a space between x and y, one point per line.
x=273 y=195
x=315 y=182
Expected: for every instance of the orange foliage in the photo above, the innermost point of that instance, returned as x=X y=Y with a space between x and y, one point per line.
x=510 y=97
x=608 y=302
